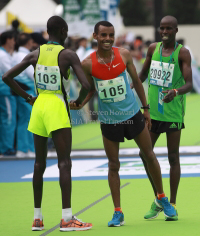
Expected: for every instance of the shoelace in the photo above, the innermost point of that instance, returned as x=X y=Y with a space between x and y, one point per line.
x=116 y=215
x=166 y=203
x=75 y=218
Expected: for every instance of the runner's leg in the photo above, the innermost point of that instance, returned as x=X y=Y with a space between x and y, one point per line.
x=112 y=152
x=62 y=139
x=39 y=168
x=173 y=142
x=143 y=141
x=154 y=138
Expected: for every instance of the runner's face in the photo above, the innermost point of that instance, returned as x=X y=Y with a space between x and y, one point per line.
x=105 y=37
x=167 y=31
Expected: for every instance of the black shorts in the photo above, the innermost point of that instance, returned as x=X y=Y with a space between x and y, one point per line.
x=165 y=127
x=128 y=129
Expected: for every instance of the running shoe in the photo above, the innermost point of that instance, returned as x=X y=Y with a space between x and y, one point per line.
x=117 y=220
x=173 y=218
x=169 y=211
x=37 y=225
x=74 y=225
x=154 y=211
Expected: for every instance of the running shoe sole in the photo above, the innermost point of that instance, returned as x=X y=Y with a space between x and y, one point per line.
x=121 y=223
x=37 y=228
x=75 y=229
x=154 y=216
x=171 y=218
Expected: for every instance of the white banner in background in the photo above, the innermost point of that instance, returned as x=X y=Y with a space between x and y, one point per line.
x=128 y=167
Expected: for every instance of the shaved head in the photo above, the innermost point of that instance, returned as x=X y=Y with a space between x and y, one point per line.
x=55 y=24
x=170 y=19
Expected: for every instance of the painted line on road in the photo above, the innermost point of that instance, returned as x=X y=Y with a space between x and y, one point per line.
x=83 y=210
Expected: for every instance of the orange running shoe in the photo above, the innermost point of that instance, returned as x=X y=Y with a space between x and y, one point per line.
x=37 y=225
x=74 y=225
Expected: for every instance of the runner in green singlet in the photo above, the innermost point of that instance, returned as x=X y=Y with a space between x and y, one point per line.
x=168 y=67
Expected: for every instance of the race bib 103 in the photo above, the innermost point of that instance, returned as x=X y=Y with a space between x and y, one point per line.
x=47 y=77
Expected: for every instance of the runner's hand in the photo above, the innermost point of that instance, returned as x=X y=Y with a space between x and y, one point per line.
x=169 y=97
x=32 y=100
x=147 y=118
x=74 y=105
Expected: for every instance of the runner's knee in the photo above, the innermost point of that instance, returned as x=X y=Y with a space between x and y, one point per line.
x=114 y=166
x=173 y=159
x=65 y=165
x=149 y=156
x=40 y=167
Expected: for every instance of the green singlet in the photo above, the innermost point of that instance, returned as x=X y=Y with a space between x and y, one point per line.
x=167 y=76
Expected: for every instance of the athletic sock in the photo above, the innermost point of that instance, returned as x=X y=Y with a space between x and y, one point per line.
x=160 y=195
x=118 y=209
x=67 y=214
x=173 y=204
x=37 y=213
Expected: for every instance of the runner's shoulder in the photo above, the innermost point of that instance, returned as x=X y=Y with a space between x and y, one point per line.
x=151 y=49
x=87 y=63
x=184 y=52
x=124 y=51
x=32 y=57
x=67 y=53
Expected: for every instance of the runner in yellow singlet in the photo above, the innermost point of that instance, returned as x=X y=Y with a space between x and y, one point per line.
x=50 y=115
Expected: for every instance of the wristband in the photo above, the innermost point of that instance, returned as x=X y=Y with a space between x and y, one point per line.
x=175 y=92
x=29 y=98
x=146 y=107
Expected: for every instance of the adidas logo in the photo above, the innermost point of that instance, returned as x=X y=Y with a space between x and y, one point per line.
x=173 y=125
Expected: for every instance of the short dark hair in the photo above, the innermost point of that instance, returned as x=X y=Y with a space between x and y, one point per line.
x=55 y=23
x=104 y=23
x=23 y=38
x=6 y=35
x=38 y=38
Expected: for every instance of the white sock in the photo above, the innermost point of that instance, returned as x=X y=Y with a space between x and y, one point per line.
x=67 y=214
x=37 y=213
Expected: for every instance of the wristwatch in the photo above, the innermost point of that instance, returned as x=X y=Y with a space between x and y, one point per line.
x=29 y=98
x=146 y=107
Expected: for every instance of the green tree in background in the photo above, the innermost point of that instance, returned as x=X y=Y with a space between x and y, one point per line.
x=186 y=11
x=134 y=12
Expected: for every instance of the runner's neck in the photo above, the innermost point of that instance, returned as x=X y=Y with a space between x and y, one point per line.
x=168 y=46
x=105 y=54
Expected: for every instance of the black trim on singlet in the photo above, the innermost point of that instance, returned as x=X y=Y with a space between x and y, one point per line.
x=63 y=89
x=34 y=72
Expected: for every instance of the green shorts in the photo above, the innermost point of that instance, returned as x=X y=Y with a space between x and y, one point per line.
x=49 y=113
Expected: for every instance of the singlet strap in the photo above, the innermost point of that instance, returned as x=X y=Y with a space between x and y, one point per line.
x=93 y=56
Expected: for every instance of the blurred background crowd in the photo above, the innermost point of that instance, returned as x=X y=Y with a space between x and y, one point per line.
x=132 y=19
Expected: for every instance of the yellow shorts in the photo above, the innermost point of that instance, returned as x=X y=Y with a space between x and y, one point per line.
x=49 y=113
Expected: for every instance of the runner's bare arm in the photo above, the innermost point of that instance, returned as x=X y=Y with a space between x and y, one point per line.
x=126 y=56
x=185 y=60
x=7 y=78
x=87 y=68
x=69 y=58
x=145 y=69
